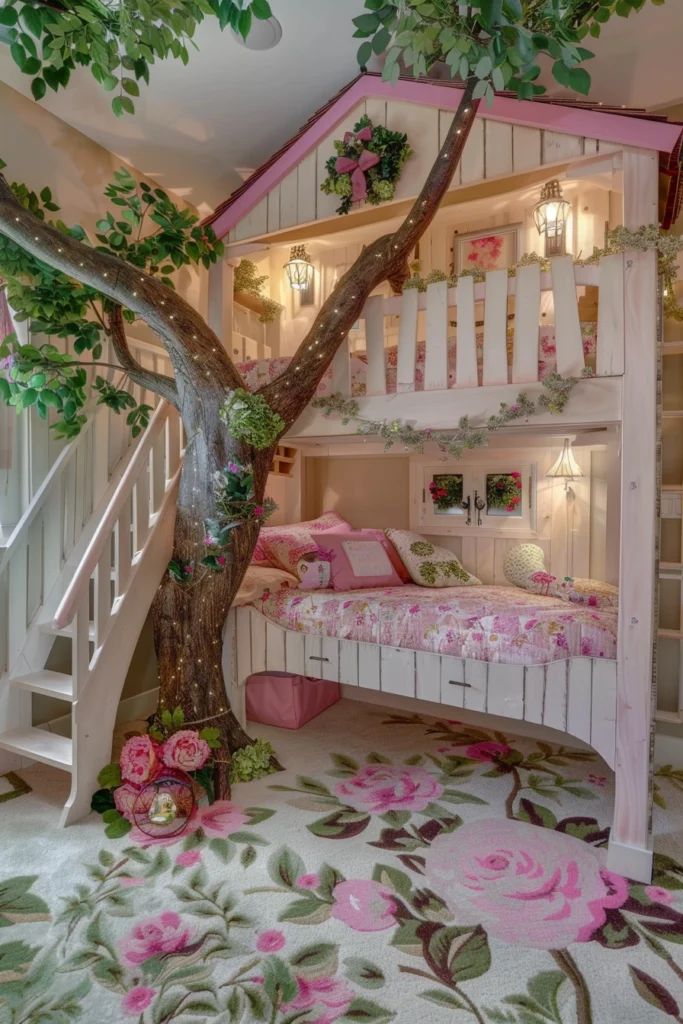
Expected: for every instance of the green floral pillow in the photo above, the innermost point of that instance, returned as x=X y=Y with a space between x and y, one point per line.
x=428 y=564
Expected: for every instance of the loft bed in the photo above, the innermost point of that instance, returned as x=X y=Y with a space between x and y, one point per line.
x=431 y=357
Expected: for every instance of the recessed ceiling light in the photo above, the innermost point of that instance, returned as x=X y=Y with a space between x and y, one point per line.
x=263 y=35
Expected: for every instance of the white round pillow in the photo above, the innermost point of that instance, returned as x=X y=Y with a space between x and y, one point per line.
x=520 y=562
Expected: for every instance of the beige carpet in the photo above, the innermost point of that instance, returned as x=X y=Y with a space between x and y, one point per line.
x=401 y=869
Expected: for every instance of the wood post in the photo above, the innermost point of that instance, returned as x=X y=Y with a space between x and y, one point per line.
x=630 y=848
x=220 y=304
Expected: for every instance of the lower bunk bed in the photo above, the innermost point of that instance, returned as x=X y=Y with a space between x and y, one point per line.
x=488 y=649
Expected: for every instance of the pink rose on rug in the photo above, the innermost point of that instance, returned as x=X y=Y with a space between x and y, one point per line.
x=124 y=799
x=332 y=995
x=155 y=936
x=186 y=750
x=138 y=759
x=221 y=819
x=525 y=885
x=188 y=858
x=309 y=881
x=386 y=787
x=658 y=895
x=137 y=1000
x=487 y=751
x=270 y=942
x=364 y=905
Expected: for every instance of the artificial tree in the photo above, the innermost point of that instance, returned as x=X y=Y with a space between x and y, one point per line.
x=70 y=287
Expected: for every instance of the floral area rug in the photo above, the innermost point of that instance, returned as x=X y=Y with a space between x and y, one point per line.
x=402 y=869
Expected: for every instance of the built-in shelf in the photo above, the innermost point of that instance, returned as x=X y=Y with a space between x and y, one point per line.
x=675 y=488
x=673 y=348
x=283 y=460
x=672 y=414
x=671 y=566
x=670 y=634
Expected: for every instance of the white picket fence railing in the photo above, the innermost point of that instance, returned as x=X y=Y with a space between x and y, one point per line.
x=428 y=316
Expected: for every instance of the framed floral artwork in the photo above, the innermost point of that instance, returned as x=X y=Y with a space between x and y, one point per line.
x=486 y=250
x=446 y=493
x=504 y=494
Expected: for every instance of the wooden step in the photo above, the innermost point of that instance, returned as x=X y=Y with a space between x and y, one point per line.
x=67 y=631
x=51 y=684
x=39 y=745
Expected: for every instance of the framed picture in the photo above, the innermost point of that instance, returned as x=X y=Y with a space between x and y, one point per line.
x=486 y=250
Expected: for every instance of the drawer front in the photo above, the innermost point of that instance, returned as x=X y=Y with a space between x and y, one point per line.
x=452 y=681
x=348 y=662
x=428 y=676
x=398 y=671
x=368 y=666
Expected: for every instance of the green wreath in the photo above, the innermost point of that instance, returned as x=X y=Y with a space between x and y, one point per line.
x=366 y=166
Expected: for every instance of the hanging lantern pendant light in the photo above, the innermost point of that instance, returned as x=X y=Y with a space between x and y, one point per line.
x=299 y=268
x=550 y=216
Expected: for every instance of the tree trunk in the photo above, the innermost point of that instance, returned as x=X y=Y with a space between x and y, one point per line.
x=188 y=618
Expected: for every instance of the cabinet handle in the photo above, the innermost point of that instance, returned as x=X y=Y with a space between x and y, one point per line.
x=316 y=657
x=455 y=682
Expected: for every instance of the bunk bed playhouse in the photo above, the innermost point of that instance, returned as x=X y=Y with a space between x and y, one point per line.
x=430 y=356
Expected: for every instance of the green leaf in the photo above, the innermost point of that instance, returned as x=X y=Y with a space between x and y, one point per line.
x=285 y=866
x=38 y=88
x=460 y=953
x=116 y=827
x=653 y=992
x=443 y=998
x=8 y=16
x=278 y=982
x=363 y=972
x=308 y=910
x=342 y=824
x=536 y=814
x=261 y=9
x=18 y=905
x=364 y=54
x=364 y=1010
x=102 y=800
x=316 y=961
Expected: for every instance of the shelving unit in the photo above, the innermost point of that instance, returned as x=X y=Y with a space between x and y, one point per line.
x=283 y=460
x=670 y=631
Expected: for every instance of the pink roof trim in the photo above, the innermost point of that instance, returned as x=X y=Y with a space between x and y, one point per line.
x=640 y=132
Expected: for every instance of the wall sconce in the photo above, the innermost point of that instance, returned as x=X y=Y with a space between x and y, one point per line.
x=299 y=268
x=550 y=216
x=565 y=466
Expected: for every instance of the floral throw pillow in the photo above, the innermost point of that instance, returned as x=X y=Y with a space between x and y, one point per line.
x=524 y=566
x=428 y=564
x=282 y=546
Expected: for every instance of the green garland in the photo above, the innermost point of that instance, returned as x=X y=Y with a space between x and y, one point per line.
x=251 y=419
x=619 y=240
x=453 y=443
x=392 y=149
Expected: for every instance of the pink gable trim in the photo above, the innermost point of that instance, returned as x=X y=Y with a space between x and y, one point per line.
x=639 y=132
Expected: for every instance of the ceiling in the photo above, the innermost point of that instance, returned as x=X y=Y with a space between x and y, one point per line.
x=196 y=127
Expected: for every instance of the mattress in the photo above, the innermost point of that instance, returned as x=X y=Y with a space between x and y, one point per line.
x=486 y=623
x=260 y=371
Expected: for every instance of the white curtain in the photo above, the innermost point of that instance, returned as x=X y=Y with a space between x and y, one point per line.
x=7 y=414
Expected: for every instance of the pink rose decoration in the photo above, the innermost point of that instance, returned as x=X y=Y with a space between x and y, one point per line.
x=525 y=885
x=155 y=936
x=487 y=751
x=309 y=881
x=124 y=799
x=270 y=942
x=188 y=858
x=384 y=787
x=332 y=996
x=138 y=760
x=365 y=906
x=137 y=1000
x=186 y=750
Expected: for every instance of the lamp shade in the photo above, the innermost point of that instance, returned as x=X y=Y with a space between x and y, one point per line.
x=550 y=216
x=299 y=268
x=565 y=466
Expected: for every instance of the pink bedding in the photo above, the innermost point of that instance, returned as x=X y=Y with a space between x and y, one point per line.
x=487 y=623
x=258 y=372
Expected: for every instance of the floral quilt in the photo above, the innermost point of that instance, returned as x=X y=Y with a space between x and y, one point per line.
x=257 y=372
x=487 y=623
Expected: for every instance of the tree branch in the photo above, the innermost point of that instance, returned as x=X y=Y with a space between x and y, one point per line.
x=157 y=382
x=383 y=259
x=196 y=353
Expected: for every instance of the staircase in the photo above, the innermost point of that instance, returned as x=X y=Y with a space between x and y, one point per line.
x=84 y=562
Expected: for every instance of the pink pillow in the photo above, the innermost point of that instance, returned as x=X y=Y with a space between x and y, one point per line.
x=271 y=546
x=358 y=561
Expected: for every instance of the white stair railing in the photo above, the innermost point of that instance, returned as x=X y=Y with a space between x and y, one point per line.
x=103 y=609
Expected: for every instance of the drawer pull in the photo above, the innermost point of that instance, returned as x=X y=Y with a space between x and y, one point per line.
x=316 y=657
x=455 y=682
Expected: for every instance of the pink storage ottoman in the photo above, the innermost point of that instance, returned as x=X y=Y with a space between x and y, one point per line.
x=280 y=698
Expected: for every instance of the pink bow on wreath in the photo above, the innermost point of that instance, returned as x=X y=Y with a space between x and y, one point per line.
x=357 y=168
